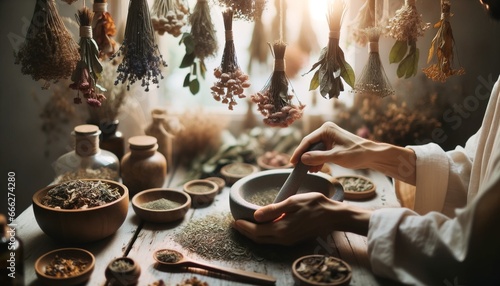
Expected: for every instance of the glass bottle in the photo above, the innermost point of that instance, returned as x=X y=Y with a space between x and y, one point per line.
x=143 y=167
x=112 y=139
x=11 y=256
x=87 y=160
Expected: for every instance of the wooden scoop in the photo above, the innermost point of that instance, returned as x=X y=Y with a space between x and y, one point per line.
x=173 y=258
x=296 y=177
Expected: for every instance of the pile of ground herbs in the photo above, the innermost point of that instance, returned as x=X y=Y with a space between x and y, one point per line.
x=65 y=267
x=212 y=237
x=80 y=194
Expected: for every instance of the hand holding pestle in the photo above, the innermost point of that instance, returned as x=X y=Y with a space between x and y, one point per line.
x=296 y=177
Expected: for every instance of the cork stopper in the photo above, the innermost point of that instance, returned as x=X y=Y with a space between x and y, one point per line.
x=86 y=129
x=142 y=142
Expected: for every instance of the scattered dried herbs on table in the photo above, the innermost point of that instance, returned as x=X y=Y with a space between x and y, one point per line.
x=65 y=267
x=161 y=204
x=80 y=195
x=193 y=282
x=322 y=269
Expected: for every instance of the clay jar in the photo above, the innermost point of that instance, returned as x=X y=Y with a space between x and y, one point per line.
x=143 y=167
x=122 y=271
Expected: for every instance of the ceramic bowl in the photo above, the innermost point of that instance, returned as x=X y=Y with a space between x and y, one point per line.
x=235 y=171
x=271 y=160
x=202 y=192
x=81 y=225
x=336 y=266
x=357 y=187
x=161 y=205
x=259 y=189
x=67 y=253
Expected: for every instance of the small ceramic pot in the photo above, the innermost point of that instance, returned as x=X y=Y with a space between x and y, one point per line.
x=122 y=271
x=202 y=192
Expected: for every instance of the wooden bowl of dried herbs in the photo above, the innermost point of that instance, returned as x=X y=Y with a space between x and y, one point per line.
x=81 y=211
x=357 y=187
x=161 y=205
x=65 y=267
x=321 y=270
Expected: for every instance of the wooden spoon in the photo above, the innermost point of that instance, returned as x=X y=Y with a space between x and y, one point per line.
x=173 y=258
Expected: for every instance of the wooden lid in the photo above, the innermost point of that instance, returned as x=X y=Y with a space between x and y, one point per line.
x=142 y=142
x=86 y=129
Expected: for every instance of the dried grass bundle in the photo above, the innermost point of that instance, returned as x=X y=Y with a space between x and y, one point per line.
x=169 y=16
x=332 y=64
x=274 y=101
x=231 y=79
x=141 y=60
x=308 y=42
x=247 y=10
x=406 y=26
x=258 y=44
x=373 y=80
x=443 y=47
x=203 y=31
x=49 y=52
x=88 y=70
x=104 y=29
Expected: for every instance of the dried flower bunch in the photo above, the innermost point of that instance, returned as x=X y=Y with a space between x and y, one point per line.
x=442 y=47
x=406 y=26
x=274 y=101
x=169 y=16
x=203 y=31
x=104 y=29
x=49 y=52
x=141 y=59
x=88 y=70
x=332 y=64
x=258 y=44
x=364 y=19
x=373 y=80
x=246 y=10
x=231 y=79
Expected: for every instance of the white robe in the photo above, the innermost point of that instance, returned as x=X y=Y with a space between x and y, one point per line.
x=457 y=196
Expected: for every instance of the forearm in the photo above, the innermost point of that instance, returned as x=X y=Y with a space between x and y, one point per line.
x=393 y=161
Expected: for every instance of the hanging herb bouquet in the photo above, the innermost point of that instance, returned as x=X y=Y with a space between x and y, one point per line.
x=406 y=26
x=231 y=80
x=104 y=29
x=88 y=70
x=364 y=19
x=258 y=44
x=49 y=52
x=332 y=64
x=169 y=16
x=442 y=47
x=141 y=59
x=244 y=9
x=274 y=101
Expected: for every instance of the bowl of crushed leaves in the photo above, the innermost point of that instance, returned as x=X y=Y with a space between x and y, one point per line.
x=81 y=211
x=161 y=205
x=65 y=267
x=321 y=270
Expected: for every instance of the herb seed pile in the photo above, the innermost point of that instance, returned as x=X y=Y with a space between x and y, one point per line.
x=65 y=267
x=161 y=204
x=80 y=195
x=353 y=184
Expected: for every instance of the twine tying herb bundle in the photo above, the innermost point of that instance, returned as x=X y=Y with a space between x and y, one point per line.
x=406 y=26
x=373 y=80
x=246 y=10
x=332 y=64
x=88 y=70
x=442 y=47
x=274 y=101
x=104 y=29
x=231 y=79
x=141 y=57
x=49 y=52
x=169 y=16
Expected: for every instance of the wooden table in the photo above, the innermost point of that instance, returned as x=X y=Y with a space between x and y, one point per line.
x=139 y=240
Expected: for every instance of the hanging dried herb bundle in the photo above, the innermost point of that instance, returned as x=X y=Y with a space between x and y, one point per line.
x=244 y=9
x=373 y=80
x=88 y=70
x=141 y=57
x=203 y=31
x=332 y=64
x=231 y=79
x=49 y=52
x=307 y=41
x=274 y=101
x=364 y=19
x=406 y=26
x=104 y=29
x=442 y=46
x=169 y=16
x=258 y=43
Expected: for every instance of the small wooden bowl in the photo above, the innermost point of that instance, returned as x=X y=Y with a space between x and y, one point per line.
x=221 y=183
x=161 y=215
x=345 y=277
x=349 y=188
x=235 y=171
x=68 y=253
x=122 y=271
x=202 y=192
x=264 y=161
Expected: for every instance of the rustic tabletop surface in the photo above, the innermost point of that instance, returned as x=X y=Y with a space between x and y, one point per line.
x=138 y=240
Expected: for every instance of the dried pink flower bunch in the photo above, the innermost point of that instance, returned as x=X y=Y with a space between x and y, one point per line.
x=85 y=84
x=231 y=85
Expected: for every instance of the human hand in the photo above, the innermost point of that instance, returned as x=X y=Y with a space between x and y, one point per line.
x=302 y=217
